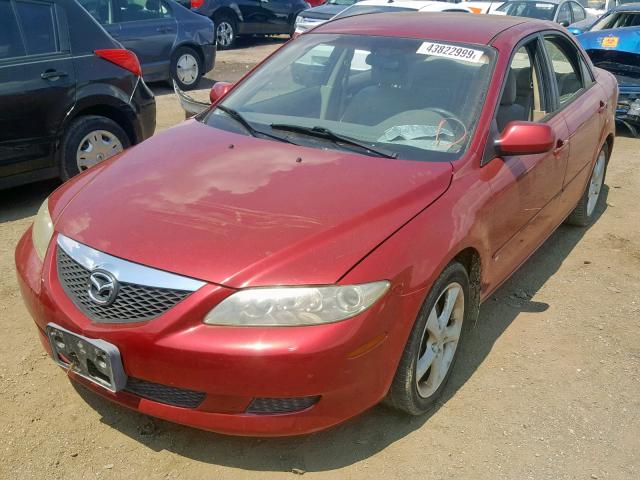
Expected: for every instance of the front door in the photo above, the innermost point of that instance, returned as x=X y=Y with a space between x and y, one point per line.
x=524 y=186
x=37 y=83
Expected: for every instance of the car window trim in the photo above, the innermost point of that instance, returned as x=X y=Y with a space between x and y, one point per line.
x=556 y=94
x=60 y=28
x=118 y=14
x=546 y=96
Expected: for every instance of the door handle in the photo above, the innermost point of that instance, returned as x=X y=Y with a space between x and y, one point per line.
x=560 y=145
x=602 y=107
x=53 y=75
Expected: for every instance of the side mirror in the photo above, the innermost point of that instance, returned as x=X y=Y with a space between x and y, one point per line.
x=525 y=138
x=564 y=23
x=219 y=90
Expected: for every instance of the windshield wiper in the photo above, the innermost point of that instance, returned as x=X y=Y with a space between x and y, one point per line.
x=325 y=133
x=248 y=127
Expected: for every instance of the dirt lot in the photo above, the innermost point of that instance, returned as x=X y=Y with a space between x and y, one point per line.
x=548 y=386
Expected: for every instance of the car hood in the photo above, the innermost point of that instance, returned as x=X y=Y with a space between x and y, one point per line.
x=323 y=12
x=242 y=211
x=612 y=39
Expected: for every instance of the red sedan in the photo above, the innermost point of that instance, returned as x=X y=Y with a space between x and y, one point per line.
x=322 y=237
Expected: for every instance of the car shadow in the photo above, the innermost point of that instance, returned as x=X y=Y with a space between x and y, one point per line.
x=372 y=431
x=21 y=202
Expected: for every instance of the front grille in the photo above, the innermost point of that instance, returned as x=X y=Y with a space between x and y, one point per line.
x=281 y=405
x=177 y=397
x=134 y=303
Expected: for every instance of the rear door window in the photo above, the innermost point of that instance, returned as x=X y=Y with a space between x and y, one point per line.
x=136 y=10
x=10 y=40
x=564 y=14
x=102 y=10
x=565 y=65
x=38 y=27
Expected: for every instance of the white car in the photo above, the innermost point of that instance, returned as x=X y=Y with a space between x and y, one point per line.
x=378 y=6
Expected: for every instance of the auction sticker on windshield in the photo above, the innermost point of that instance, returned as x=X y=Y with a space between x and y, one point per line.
x=451 y=51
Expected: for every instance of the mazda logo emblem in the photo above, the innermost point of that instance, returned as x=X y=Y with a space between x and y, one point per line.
x=103 y=287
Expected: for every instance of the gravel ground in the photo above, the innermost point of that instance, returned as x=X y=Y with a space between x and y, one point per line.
x=547 y=386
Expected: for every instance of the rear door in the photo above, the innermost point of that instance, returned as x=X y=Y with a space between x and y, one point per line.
x=37 y=83
x=278 y=14
x=579 y=101
x=148 y=28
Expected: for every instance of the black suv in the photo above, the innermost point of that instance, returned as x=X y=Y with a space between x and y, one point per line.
x=70 y=95
x=248 y=17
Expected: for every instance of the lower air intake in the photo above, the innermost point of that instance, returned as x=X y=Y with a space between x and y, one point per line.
x=177 y=397
x=281 y=405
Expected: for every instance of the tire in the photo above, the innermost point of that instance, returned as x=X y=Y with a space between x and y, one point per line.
x=226 y=31
x=186 y=68
x=89 y=140
x=406 y=393
x=591 y=199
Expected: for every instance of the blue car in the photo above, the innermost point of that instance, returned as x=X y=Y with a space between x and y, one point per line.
x=613 y=43
x=171 y=42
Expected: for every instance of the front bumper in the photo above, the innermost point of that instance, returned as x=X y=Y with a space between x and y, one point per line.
x=346 y=367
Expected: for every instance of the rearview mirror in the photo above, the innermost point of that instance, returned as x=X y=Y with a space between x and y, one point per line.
x=525 y=138
x=219 y=90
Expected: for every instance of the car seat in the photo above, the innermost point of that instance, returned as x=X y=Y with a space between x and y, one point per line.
x=509 y=110
x=387 y=97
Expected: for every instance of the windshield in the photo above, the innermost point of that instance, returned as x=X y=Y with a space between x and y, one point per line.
x=416 y=99
x=617 y=20
x=539 y=10
x=364 y=9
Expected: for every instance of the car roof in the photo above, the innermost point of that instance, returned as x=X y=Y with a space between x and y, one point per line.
x=453 y=27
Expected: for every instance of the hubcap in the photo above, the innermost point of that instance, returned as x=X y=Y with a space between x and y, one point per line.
x=595 y=184
x=440 y=339
x=225 y=34
x=96 y=147
x=187 y=69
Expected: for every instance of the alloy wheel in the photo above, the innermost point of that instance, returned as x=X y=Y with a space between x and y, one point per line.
x=225 y=33
x=595 y=184
x=96 y=147
x=440 y=340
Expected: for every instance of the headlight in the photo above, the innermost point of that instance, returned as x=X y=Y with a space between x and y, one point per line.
x=299 y=19
x=42 y=230
x=289 y=306
x=634 y=109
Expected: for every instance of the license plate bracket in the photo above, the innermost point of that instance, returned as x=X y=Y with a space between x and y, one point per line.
x=96 y=360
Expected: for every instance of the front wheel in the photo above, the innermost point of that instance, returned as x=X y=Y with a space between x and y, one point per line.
x=186 y=68
x=89 y=140
x=586 y=208
x=432 y=348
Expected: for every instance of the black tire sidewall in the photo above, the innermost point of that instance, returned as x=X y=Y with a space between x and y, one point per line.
x=76 y=131
x=412 y=401
x=174 y=67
